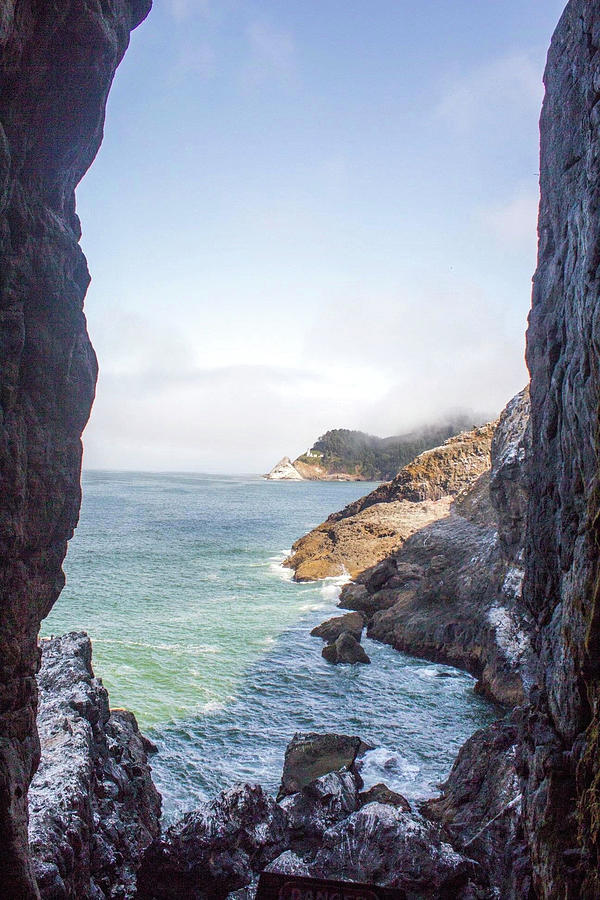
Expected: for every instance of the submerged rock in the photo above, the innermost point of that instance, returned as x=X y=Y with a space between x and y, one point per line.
x=308 y=756
x=217 y=849
x=352 y=623
x=93 y=807
x=345 y=649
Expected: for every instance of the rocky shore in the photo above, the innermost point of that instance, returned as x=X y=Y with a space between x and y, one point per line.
x=95 y=813
x=367 y=531
x=449 y=591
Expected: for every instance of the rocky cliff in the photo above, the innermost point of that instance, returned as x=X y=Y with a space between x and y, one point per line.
x=452 y=591
x=367 y=531
x=57 y=62
x=561 y=752
x=93 y=807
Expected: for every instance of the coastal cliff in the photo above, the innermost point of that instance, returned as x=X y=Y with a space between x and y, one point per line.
x=367 y=531
x=57 y=62
x=561 y=744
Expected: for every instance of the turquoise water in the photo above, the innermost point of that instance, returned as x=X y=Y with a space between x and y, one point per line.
x=198 y=629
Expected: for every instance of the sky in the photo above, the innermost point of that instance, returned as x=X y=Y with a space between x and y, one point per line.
x=310 y=214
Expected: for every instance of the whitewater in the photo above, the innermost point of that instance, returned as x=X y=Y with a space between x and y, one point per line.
x=198 y=629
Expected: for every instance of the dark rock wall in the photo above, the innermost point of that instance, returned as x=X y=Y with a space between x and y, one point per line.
x=93 y=808
x=57 y=61
x=561 y=757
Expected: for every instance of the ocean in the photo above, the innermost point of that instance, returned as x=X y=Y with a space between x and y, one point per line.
x=198 y=629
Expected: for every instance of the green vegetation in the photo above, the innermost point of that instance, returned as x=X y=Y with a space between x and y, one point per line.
x=374 y=458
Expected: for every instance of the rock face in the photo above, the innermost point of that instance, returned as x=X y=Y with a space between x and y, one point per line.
x=284 y=471
x=308 y=756
x=481 y=803
x=57 y=62
x=368 y=530
x=561 y=765
x=216 y=849
x=353 y=623
x=345 y=649
x=452 y=592
x=93 y=806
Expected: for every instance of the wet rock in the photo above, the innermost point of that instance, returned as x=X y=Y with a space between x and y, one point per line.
x=318 y=806
x=93 y=806
x=382 y=845
x=345 y=650
x=308 y=756
x=381 y=793
x=217 y=849
x=351 y=623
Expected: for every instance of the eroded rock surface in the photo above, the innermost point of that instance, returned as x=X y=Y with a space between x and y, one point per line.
x=345 y=649
x=57 y=62
x=93 y=806
x=377 y=525
x=561 y=765
x=452 y=592
x=308 y=756
x=217 y=849
x=353 y=623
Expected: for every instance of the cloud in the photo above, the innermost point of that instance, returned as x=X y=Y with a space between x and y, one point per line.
x=501 y=90
x=513 y=223
x=272 y=54
x=439 y=346
x=183 y=10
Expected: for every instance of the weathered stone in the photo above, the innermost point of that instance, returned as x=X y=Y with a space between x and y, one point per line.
x=57 y=62
x=351 y=623
x=308 y=756
x=93 y=806
x=319 y=805
x=367 y=531
x=383 y=845
x=561 y=758
x=216 y=849
x=452 y=593
x=381 y=793
x=480 y=806
x=345 y=649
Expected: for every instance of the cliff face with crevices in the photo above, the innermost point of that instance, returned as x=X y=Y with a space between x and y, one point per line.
x=561 y=752
x=57 y=62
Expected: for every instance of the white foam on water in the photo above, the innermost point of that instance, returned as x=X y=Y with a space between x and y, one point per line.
x=386 y=766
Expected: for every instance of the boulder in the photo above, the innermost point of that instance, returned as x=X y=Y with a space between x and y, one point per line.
x=381 y=793
x=310 y=755
x=330 y=630
x=217 y=849
x=346 y=649
x=319 y=805
x=383 y=845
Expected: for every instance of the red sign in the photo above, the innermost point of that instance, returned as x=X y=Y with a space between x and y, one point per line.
x=273 y=886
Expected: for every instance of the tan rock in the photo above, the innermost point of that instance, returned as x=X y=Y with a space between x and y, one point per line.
x=372 y=528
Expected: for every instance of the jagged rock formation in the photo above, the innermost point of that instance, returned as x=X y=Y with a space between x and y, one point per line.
x=368 y=530
x=480 y=806
x=284 y=471
x=57 y=61
x=93 y=807
x=561 y=764
x=452 y=592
